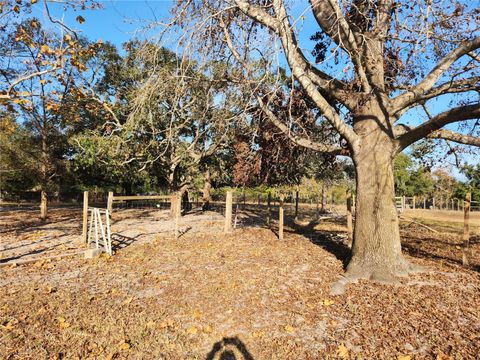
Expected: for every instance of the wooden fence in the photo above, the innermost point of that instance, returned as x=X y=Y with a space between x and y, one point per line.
x=175 y=199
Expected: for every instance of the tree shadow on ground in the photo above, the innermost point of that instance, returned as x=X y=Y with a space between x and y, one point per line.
x=229 y=348
x=430 y=248
x=331 y=241
x=32 y=252
x=25 y=244
x=119 y=214
x=38 y=225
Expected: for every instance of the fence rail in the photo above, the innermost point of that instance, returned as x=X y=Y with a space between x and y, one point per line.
x=225 y=207
x=414 y=203
x=141 y=197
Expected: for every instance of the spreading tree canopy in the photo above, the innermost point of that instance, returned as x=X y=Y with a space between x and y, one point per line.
x=374 y=63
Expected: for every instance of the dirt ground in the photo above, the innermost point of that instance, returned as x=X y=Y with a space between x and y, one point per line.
x=25 y=238
x=244 y=295
x=444 y=216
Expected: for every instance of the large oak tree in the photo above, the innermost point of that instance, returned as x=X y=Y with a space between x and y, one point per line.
x=373 y=62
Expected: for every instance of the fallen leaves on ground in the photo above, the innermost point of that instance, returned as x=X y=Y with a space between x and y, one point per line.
x=177 y=298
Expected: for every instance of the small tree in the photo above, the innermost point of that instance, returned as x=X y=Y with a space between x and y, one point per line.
x=17 y=166
x=410 y=179
x=39 y=101
x=158 y=115
x=472 y=173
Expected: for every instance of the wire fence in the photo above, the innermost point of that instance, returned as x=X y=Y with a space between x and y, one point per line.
x=434 y=203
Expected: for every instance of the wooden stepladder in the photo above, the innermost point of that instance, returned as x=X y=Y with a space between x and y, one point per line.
x=99 y=229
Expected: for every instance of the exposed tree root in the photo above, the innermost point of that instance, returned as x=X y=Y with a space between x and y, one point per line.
x=382 y=273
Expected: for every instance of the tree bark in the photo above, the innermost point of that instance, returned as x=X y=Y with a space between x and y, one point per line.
x=376 y=252
x=182 y=196
x=128 y=188
x=44 y=177
x=323 y=197
x=172 y=185
x=207 y=189
x=43 y=205
x=186 y=206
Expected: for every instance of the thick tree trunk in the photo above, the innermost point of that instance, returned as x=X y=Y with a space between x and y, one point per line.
x=376 y=251
x=207 y=189
x=127 y=187
x=43 y=205
x=172 y=186
x=186 y=205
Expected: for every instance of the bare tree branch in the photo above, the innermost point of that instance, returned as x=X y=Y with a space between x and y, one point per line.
x=258 y=14
x=330 y=85
x=455 y=137
x=17 y=81
x=300 y=141
x=474 y=56
x=299 y=70
x=330 y=18
x=450 y=87
x=408 y=136
x=383 y=18
x=415 y=94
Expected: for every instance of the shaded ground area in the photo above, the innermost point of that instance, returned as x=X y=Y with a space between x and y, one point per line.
x=26 y=238
x=245 y=295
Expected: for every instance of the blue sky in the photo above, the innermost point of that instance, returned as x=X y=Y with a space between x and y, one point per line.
x=117 y=21
x=120 y=20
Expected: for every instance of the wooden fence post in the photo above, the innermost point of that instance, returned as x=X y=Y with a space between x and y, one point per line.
x=110 y=202
x=178 y=214
x=173 y=205
x=85 y=216
x=323 y=197
x=296 y=205
x=349 y=219
x=269 y=210
x=414 y=200
x=466 y=229
x=280 y=219
x=228 y=212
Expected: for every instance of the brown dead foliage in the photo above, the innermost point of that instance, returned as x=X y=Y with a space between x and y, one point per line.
x=204 y=296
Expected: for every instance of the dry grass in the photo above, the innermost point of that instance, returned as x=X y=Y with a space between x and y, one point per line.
x=445 y=221
x=267 y=299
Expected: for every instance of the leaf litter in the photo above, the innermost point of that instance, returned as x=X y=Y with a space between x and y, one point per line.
x=176 y=298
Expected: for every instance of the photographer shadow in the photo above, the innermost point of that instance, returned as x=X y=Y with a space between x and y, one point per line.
x=229 y=348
